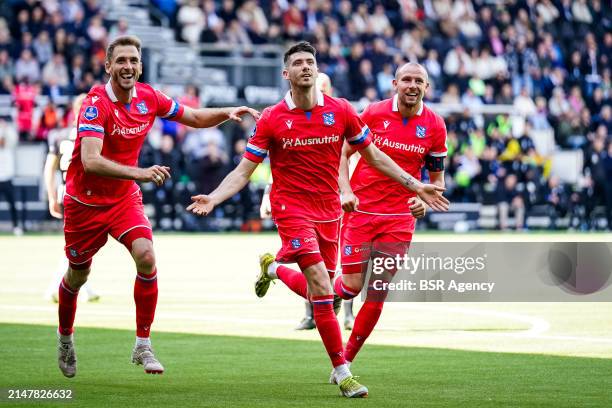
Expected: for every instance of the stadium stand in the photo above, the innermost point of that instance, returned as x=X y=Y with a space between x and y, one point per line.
x=524 y=86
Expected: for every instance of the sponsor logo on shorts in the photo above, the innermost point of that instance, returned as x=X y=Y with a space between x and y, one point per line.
x=295 y=243
x=355 y=249
x=73 y=253
x=91 y=112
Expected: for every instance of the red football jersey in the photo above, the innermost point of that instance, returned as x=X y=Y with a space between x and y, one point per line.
x=305 y=149
x=407 y=142
x=123 y=129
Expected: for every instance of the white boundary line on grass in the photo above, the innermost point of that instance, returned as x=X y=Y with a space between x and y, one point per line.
x=538 y=326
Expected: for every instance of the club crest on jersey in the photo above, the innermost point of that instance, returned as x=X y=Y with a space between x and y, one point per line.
x=420 y=132
x=328 y=119
x=348 y=250
x=73 y=253
x=91 y=112
x=142 y=107
x=295 y=243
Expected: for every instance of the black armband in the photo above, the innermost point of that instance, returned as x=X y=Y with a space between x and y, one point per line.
x=434 y=163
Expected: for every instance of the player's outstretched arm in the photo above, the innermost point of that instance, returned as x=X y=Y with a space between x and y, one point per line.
x=51 y=166
x=429 y=193
x=94 y=162
x=232 y=183
x=348 y=199
x=208 y=117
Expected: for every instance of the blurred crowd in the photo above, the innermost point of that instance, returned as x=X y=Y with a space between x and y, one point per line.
x=548 y=59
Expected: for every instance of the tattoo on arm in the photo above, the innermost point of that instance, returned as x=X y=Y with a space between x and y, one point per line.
x=409 y=181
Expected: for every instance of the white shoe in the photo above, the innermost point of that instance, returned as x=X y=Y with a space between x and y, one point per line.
x=332 y=375
x=143 y=355
x=66 y=358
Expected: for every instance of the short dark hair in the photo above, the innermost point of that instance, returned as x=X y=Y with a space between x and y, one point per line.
x=122 y=40
x=303 y=46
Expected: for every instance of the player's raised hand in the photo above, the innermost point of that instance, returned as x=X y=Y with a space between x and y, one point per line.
x=156 y=174
x=349 y=202
x=235 y=113
x=417 y=207
x=432 y=196
x=202 y=205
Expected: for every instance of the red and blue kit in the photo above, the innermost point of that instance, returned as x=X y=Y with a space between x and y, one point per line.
x=383 y=221
x=305 y=149
x=96 y=205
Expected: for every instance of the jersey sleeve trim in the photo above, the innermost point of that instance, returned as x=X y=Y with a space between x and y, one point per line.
x=250 y=156
x=360 y=137
x=89 y=133
x=90 y=128
x=174 y=108
x=257 y=151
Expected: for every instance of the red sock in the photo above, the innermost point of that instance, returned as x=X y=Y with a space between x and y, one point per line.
x=328 y=327
x=295 y=280
x=345 y=292
x=364 y=324
x=67 y=308
x=145 y=296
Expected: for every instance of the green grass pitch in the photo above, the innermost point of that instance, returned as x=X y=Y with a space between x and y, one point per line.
x=223 y=347
x=226 y=371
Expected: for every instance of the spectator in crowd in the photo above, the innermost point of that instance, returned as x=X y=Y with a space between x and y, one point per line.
x=119 y=29
x=192 y=21
x=27 y=68
x=43 y=49
x=8 y=142
x=6 y=65
x=510 y=198
x=56 y=71
x=24 y=95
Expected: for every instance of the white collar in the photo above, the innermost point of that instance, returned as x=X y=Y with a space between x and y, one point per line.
x=109 y=91
x=291 y=104
x=396 y=106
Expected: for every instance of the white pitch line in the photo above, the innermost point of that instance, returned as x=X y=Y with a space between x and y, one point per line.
x=538 y=325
